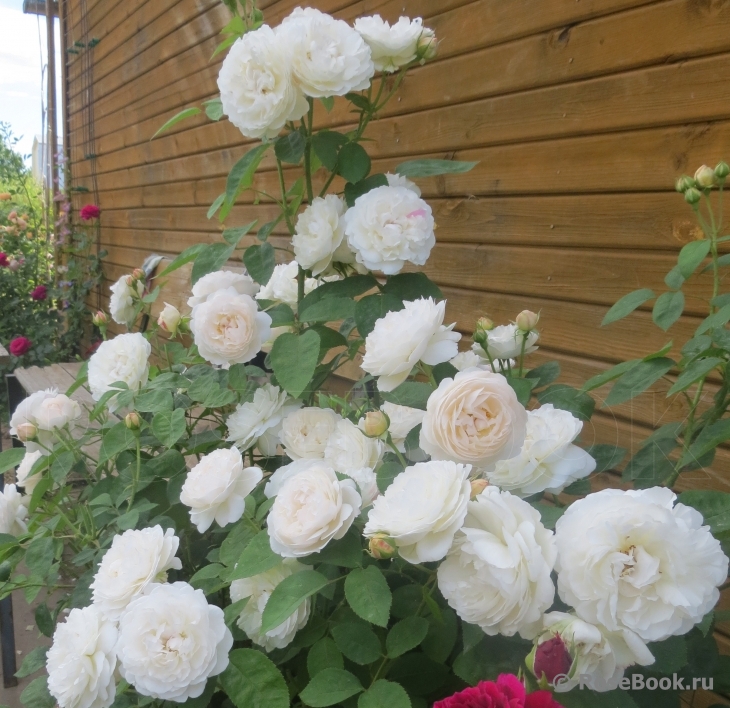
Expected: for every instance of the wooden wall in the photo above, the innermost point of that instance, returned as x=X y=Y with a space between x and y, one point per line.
x=580 y=112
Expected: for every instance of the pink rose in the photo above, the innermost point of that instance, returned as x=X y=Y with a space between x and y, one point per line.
x=39 y=293
x=89 y=212
x=19 y=346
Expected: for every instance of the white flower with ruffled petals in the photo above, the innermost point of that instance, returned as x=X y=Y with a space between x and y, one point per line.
x=282 y=286
x=23 y=475
x=242 y=283
x=505 y=342
x=13 y=511
x=126 y=293
x=305 y=432
x=392 y=46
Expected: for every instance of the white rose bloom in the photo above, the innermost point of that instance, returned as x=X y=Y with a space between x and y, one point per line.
x=81 y=660
x=256 y=84
x=402 y=420
x=599 y=656
x=242 y=283
x=258 y=589
x=388 y=226
x=311 y=509
x=320 y=233
x=228 y=328
x=505 y=342
x=283 y=286
x=474 y=418
x=305 y=432
x=171 y=641
x=136 y=560
x=13 y=512
x=402 y=338
x=328 y=57
x=286 y=472
x=217 y=487
x=467 y=360
x=54 y=413
x=396 y=180
x=122 y=306
x=392 y=46
x=422 y=509
x=124 y=358
x=497 y=573
x=258 y=422
x=635 y=560
x=23 y=475
x=348 y=448
x=25 y=416
x=548 y=461
x=169 y=318
x=367 y=484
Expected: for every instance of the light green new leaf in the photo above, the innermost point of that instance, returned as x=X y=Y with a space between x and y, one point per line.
x=637 y=379
x=431 y=168
x=217 y=203
x=668 y=309
x=210 y=259
x=187 y=113
x=294 y=359
x=406 y=635
x=694 y=372
x=252 y=680
x=627 y=304
x=169 y=426
x=213 y=109
x=288 y=595
x=368 y=594
x=691 y=255
x=329 y=687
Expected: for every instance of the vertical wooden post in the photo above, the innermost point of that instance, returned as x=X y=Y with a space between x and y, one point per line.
x=52 y=139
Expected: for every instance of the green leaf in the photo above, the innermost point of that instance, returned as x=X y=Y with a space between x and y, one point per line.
x=347 y=287
x=368 y=594
x=353 y=191
x=414 y=394
x=695 y=371
x=637 y=379
x=11 y=458
x=384 y=694
x=189 y=254
x=346 y=552
x=260 y=262
x=418 y=674
x=233 y=236
x=710 y=437
x=326 y=145
x=566 y=398
x=371 y=308
x=673 y=279
x=406 y=635
x=353 y=162
x=227 y=42
x=691 y=255
x=214 y=109
x=609 y=375
x=290 y=148
x=607 y=457
x=34 y=660
x=251 y=680
x=545 y=374
x=210 y=259
x=442 y=635
x=241 y=176
x=256 y=558
x=522 y=388
x=386 y=473
x=329 y=310
x=324 y=654
x=670 y=655
x=36 y=695
x=431 y=168
x=357 y=642
x=412 y=286
x=154 y=401
x=328 y=102
x=549 y=515
x=627 y=304
x=718 y=319
x=43 y=619
x=169 y=426
x=288 y=595
x=217 y=203
x=329 y=687
x=183 y=115
x=294 y=358
x=668 y=309
x=714 y=507
x=266 y=230
x=63 y=461
x=119 y=437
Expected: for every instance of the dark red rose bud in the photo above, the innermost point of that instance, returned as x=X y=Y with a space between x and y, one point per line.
x=552 y=658
x=39 y=293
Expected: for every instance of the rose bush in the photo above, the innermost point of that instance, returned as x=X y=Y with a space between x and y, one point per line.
x=232 y=525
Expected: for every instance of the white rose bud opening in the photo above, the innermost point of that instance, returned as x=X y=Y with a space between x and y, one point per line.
x=527 y=320
x=217 y=487
x=392 y=46
x=169 y=319
x=505 y=342
x=705 y=177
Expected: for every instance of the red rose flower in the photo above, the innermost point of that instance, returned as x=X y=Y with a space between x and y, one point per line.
x=89 y=212
x=39 y=293
x=506 y=692
x=4 y=262
x=552 y=658
x=19 y=346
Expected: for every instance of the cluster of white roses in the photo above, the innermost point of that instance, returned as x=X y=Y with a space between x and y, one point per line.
x=162 y=638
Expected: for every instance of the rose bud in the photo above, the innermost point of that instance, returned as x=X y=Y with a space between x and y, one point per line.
x=705 y=177
x=722 y=170
x=684 y=183
x=375 y=424
x=486 y=324
x=551 y=659
x=100 y=318
x=527 y=320
x=692 y=196
x=382 y=547
x=26 y=431
x=169 y=319
x=138 y=274
x=427 y=46
x=132 y=421
x=477 y=487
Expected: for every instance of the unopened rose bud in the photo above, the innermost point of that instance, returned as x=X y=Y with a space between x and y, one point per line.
x=375 y=424
x=692 y=196
x=26 y=432
x=551 y=659
x=705 y=177
x=477 y=487
x=427 y=46
x=169 y=319
x=132 y=421
x=486 y=324
x=138 y=274
x=527 y=320
x=382 y=547
x=684 y=183
x=100 y=318
x=722 y=170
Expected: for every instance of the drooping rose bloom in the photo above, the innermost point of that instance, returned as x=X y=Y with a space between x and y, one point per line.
x=39 y=293
x=506 y=692
x=20 y=346
x=89 y=212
